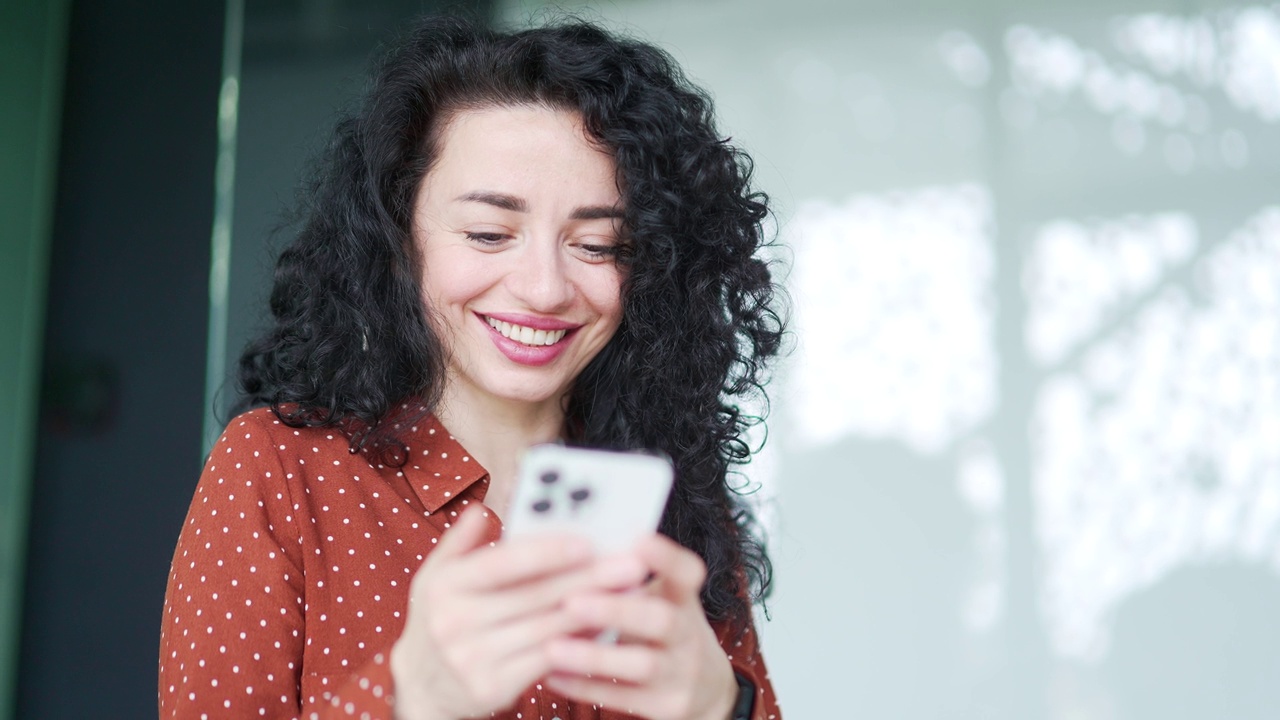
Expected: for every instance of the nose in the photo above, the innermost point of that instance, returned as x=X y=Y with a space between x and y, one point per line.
x=541 y=280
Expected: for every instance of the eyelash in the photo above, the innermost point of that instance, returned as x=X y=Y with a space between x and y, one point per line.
x=596 y=252
x=601 y=251
x=486 y=238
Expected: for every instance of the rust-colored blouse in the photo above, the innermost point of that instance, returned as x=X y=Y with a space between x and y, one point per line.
x=290 y=580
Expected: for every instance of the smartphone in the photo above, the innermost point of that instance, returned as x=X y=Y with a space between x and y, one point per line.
x=612 y=498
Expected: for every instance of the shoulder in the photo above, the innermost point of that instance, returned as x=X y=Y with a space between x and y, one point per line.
x=262 y=472
x=257 y=449
x=260 y=432
x=288 y=459
x=250 y=428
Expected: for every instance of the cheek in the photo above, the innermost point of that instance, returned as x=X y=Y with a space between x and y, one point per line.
x=449 y=280
x=444 y=297
x=605 y=295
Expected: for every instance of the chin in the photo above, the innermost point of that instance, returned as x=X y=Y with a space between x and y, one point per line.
x=524 y=393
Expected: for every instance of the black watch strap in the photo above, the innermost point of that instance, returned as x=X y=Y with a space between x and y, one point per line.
x=746 y=701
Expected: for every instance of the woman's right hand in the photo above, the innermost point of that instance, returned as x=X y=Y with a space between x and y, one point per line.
x=479 y=617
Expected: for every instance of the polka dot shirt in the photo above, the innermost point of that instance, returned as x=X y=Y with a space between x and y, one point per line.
x=290 y=580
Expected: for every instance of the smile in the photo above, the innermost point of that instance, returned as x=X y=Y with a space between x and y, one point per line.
x=526 y=335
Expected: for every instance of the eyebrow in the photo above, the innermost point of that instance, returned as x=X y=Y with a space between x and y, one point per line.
x=596 y=212
x=516 y=204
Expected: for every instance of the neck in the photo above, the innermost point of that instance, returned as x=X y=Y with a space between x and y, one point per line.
x=496 y=433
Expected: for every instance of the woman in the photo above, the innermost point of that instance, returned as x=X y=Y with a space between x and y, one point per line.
x=520 y=238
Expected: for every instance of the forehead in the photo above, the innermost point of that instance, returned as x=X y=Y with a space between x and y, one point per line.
x=528 y=150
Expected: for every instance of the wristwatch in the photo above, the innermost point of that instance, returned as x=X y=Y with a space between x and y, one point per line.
x=746 y=701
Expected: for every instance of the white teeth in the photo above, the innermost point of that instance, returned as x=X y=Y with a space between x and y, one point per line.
x=526 y=335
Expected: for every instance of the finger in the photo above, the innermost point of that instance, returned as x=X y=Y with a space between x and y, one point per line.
x=534 y=596
x=518 y=561
x=496 y=663
x=638 y=617
x=637 y=664
x=466 y=535
x=500 y=642
x=496 y=682
x=522 y=670
x=680 y=572
x=621 y=571
x=529 y=559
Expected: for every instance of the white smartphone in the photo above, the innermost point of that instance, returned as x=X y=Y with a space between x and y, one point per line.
x=613 y=498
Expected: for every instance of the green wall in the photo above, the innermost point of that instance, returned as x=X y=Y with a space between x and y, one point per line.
x=32 y=53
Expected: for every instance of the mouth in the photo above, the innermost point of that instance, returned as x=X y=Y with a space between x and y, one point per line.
x=526 y=335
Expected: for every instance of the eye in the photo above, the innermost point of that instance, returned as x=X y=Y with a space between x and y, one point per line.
x=598 y=252
x=600 y=249
x=486 y=238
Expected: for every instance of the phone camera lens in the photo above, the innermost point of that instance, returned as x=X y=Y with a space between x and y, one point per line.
x=550 y=477
x=580 y=494
x=542 y=506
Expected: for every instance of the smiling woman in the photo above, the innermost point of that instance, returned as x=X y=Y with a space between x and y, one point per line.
x=519 y=238
x=517 y=228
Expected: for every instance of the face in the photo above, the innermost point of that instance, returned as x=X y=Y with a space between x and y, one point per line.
x=517 y=226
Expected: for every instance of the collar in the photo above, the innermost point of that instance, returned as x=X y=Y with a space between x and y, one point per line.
x=438 y=468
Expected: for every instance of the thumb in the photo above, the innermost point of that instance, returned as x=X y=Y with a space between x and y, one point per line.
x=466 y=535
x=678 y=573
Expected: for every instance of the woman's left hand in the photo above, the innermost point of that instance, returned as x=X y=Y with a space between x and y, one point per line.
x=668 y=664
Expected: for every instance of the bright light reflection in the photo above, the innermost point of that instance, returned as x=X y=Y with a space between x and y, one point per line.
x=965 y=57
x=1238 y=49
x=1078 y=274
x=1160 y=448
x=894 y=315
x=1047 y=63
x=1235 y=51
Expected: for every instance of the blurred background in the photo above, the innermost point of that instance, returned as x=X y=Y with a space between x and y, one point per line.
x=1024 y=454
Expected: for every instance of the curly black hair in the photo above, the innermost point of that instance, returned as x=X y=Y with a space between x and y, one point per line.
x=702 y=316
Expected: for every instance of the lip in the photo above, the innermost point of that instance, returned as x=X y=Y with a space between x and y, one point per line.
x=531 y=321
x=522 y=354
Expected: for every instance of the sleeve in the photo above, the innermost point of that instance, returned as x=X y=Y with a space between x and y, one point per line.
x=744 y=655
x=231 y=640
